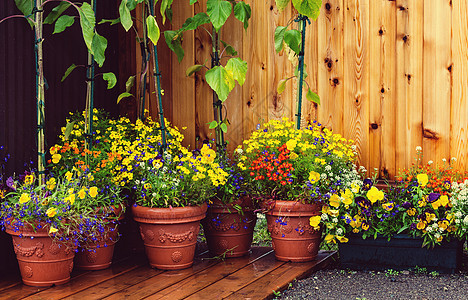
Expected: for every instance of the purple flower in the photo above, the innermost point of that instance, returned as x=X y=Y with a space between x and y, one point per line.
x=11 y=183
x=433 y=197
x=407 y=205
x=367 y=184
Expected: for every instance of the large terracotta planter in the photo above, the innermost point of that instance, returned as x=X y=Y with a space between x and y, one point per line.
x=42 y=260
x=227 y=231
x=98 y=255
x=293 y=239
x=169 y=234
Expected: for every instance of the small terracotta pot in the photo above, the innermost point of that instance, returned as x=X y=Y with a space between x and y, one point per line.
x=98 y=255
x=293 y=239
x=227 y=231
x=42 y=260
x=169 y=234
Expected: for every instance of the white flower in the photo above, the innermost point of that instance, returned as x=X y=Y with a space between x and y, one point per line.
x=328 y=168
x=353 y=147
x=335 y=220
x=430 y=162
x=437 y=235
x=419 y=148
x=239 y=150
x=429 y=229
x=137 y=181
x=457 y=221
x=323 y=176
x=444 y=159
x=339 y=231
x=324 y=217
x=458 y=214
x=465 y=220
x=154 y=194
x=142 y=164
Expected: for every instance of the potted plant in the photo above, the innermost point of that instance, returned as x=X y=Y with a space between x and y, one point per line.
x=171 y=188
x=48 y=223
x=293 y=172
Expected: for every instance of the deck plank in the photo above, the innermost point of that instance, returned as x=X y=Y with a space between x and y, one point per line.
x=279 y=278
x=207 y=277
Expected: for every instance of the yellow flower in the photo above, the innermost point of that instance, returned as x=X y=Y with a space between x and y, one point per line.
x=335 y=200
x=29 y=179
x=421 y=225
x=24 y=198
x=355 y=188
x=291 y=144
x=422 y=203
x=365 y=226
x=68 y=175
x=82 y=193
x=293 y=155
x=330 y=238
x=444 y=200
x=388 y=206
x=93 y=191
x=422 y=179
x=90 y=177
x=53 y=229
x=56 y=158
x=51 y=183
x=436 y=204
x=71 y=199
x=51 y=212
x=347 y=197
x=342 y=239
x=430 y=217
x=411 y=211
x=314 y=177
x=375 y=194
x=315 y=221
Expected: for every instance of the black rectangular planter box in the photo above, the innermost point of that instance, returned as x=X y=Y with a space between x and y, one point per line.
x=402 y=252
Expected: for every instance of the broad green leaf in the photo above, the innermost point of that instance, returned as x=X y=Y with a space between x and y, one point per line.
x=153 y=29
x=221 y=81
x=219 y=11
x=173 y=42
x=68 y=130
x=63 y=22
x=311 y=96
x=193 y=69
x=99 y=48
x=110 y=78
x=223 y=127
x=129 y=84
x=25 y=6
x=123 y=95
x=279 y=37
x=131 y=4
x=56 y=12
x=68 y=71
x=309 y=8
x=293 y=39
x=125 y=16
x=238 y=68
x=195 y=21
x=165 y=9
x=242 y=12
x=111 y=21
x=229 y=49
x=213 y=124
x=87 y=22
x=281 y=4
x=281 y=86
x=193 y=2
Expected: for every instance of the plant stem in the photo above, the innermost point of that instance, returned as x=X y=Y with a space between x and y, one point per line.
x=217 y=106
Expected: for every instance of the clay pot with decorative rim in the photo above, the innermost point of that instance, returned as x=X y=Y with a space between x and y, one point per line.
x=169 y=234
x=293 y=239
x=43 y=261
x=98 y=255
x=229 y=232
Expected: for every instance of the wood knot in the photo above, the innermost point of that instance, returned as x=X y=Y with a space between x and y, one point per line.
x=429 y=134
x=249 y=103
x=374 y=125
x=328 y=6
x=401 y=7
x=405 y=38
x=382 y=90
x=335 y=81
x=450 y=68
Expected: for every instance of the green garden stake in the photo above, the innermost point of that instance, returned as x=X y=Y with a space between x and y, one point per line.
x=90 y=94
x=303 y=22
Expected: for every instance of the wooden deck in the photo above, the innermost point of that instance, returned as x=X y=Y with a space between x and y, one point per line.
x=252 y=277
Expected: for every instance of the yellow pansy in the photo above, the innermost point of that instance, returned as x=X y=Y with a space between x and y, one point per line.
x=56 y=158
x=68 y=175
x=314 y=176
x=423 y=179
x=342 y=239
x=51 y=183
x=53 y=229
x=71 y=199
x=330 y=238
x=444 y=200
x=293 y=155
x=421 y=225
x=82 y=193
x=24 y=198
x=29 y=179
x=388 y=206
x=375 y=194
x=335 y=201
x=411 y=211
x=436 y=204
x=93 y=191
x=347 y=197
x=51 y=212
x=315 y=221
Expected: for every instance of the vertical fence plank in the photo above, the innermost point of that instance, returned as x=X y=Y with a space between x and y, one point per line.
x=330 y=65
x=437 y=79
x=356 y=77
x=459 y=116
x=310 y=109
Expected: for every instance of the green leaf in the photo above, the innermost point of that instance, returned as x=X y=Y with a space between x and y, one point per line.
x=153 y=29
x=68 y=71
x=165 y=8
x=311 y=96
x=110 y=78
x=99 y=48
x=279 y=37
x=238 y=68
x=221 y=81
x=309 y=8
x=129 y=84
x=242 y=12
x=87 y=22
x=173 y=42
x=281 y=86
x=281 y=4
x=62 y=23
x=111 y=21
x=195 y=21
x=68 y=130
x=219 y=11
x=193 y=2
x=229 y=49
x=25 y=6
x=123 y=95
x=125 y=16
x=193 y=69
x=223 y=127
x=56 y=12
x=213 y=124
x=293 y=39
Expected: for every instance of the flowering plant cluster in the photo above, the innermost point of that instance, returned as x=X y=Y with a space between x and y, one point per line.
x=64 y=206
x=284 y=163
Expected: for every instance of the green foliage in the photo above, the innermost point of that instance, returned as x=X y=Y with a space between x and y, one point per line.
x=123 y=95
x=56 y=12
x=153 y=29
x=281 y=4
x=311 y=96
x=281 y=86
x=309 y=8
x=193 y=69
x=238 y=68
x=242 y=12
x=218 y=11
x=221 y=81
x=125 y=16
x=165 y=6
x=293 y=39
x=110 y=78
x=98 y=47
x=173 y=41
x=279 y=37
x=68 y=71
x=62 y=23
x=195 y=21
x=87 y=22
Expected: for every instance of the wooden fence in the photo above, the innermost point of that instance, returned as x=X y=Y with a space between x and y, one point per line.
x=391 y=75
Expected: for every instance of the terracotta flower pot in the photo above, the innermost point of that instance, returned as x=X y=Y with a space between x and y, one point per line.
x=42 y=260
x=227 y=231
x=98 y=255
x=169 y=234
x=293 y=239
